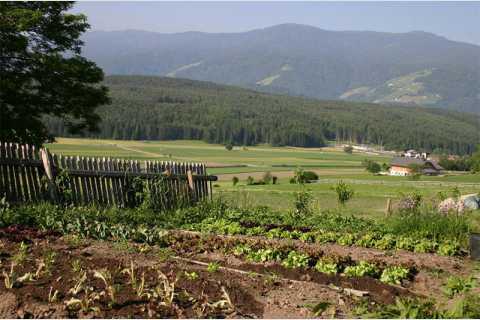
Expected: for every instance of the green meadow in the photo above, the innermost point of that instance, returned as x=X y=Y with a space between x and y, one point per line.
x=331 y=164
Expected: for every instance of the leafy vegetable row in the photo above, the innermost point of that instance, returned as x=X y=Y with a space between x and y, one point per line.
x=370 y=239
x=328 y=265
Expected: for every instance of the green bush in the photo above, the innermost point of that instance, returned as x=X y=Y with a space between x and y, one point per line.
x=344 y=192
x=235 y=181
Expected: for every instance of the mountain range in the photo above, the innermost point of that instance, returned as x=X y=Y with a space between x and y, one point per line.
x=414 y=68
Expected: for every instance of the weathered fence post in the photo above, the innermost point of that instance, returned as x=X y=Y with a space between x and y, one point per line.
x=388 y=208
x=49 y=173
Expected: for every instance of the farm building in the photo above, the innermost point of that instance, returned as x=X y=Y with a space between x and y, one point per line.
x=402 y=166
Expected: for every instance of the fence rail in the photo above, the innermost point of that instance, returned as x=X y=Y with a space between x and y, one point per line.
x=31 y=175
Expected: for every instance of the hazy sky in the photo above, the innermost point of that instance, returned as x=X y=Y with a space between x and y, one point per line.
x=455 y=20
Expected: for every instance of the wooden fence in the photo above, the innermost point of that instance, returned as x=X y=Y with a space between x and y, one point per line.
x=31 y=175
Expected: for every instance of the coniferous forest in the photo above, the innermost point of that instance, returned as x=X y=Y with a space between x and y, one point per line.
x=155 y=108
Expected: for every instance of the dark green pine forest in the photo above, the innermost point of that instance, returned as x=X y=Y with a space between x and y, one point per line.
x=155 y=108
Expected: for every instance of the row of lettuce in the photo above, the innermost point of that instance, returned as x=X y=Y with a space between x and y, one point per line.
x=328 y=265
x=369 y=239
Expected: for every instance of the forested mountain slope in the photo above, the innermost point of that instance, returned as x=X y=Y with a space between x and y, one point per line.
x=166 y=108
x=414 y=68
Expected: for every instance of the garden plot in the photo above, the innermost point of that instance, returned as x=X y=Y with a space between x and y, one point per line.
x=192 y=274
x=45 y=275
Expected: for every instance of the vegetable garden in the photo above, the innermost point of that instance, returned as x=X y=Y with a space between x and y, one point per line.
x=214 y=260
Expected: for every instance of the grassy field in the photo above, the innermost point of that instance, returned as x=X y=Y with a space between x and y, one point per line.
x=332 y=165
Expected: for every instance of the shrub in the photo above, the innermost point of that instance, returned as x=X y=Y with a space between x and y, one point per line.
x=302 y=204
x=250 y=181
x=301 y=176
x=267 y=177
x=344 y=192
x=371 y=166
x=274 y=179
x=229 y=146
x=234 y=181
x=348 y=149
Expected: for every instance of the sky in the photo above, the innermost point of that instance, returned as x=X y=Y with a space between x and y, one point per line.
x=458 y=21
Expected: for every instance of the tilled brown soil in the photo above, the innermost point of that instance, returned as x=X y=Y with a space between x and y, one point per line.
x=241 y=289
x=197 y=292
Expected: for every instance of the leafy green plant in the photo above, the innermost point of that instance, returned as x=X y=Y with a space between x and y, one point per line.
x=302 y=204
x=296 y=260
x=344 y=192
x=394 y=274
x=362 y=269
x=213 y=267
x=405 y=243
x=425 y=245
x=326 y=237
x=456 y=285
x=326 y=267
x=368 y=240
x=387 y=242
x=448 y=248
x=241 y=249
x=263 y=255
x=192 y=276
x=407 y=308
x=21 y=254
x=346 y=239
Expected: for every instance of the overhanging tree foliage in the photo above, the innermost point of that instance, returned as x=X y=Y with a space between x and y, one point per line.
x=42 y=72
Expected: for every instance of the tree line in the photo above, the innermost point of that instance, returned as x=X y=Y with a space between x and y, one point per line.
x=154 y=108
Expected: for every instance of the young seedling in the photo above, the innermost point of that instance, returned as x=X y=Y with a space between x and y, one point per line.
x=79 y=284
x=106 y=277
x=138 y=285
x=192 y=276
x=21 y=255
x=86 y=303
x=49 y=260
x=77 y=266
x=10 y=278
x=213 y=267
x=165 y=290
x=52 y=295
